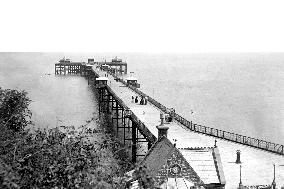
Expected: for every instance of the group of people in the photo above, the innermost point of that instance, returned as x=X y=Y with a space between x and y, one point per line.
x=143 y=100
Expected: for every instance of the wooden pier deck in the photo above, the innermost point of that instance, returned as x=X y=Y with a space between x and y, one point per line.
x=257 y=164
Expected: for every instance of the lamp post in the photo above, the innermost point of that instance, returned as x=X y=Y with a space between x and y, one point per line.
x=273 y=182
x=240 y=183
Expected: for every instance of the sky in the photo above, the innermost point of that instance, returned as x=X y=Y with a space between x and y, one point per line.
x=185 y=26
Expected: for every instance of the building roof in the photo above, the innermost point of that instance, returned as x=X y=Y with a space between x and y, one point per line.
x=131 y=78
x=206 y=162
x=105 y=65
x=191 y=165
x=164 y=161
x=102 y=79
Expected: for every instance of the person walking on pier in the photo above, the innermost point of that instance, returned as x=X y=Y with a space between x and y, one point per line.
x=136 y=99
x=142 y=100
x=146 y=100
x=132 y=99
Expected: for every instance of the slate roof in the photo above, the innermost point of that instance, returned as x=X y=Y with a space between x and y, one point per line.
x=198 y=165
x=206 y=163
x=102 y=79
x=131 y=78
x=161 y=157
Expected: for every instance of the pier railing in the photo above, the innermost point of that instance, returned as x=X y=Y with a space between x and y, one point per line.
x=233 y=137
x=254 y=142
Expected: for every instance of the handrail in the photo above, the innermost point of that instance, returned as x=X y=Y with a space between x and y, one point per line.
x=254 y=142
x=233 y=137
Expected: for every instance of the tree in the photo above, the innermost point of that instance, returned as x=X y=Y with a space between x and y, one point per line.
x=14 y=112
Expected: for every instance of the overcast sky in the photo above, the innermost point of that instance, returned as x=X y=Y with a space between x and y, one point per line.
x=142 y=26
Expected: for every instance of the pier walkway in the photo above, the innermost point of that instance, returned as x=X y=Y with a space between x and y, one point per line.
x=257 y=164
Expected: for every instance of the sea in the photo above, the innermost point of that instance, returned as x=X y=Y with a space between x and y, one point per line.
x=237 y=92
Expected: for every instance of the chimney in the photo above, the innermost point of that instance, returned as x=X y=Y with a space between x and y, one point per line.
x=162 y=129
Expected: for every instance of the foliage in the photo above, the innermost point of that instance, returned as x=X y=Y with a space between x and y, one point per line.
x=62 y=157
x=144 y=180
x=14 y=112
x=58 y=159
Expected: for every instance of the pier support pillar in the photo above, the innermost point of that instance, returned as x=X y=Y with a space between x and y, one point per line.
x=134 y=140
x=100 y=101
x=112 y=108
x=108 y=100
x=123 y=124
x=117 y=115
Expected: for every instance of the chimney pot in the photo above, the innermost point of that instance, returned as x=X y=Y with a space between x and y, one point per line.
x=238 y=160
x=162 y=118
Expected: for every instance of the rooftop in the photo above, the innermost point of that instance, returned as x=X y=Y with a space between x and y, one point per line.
x=131 y=79
x=102 y=79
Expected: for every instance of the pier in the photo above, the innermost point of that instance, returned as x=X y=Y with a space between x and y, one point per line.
x=116 y=65
x=137 y=123
x=65 y=66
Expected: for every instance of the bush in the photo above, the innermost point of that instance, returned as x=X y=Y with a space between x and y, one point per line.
x=58 y=159
x=14 y=112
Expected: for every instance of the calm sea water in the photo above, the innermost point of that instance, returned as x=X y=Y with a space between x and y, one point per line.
x=56 y=100
x=241 y=93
